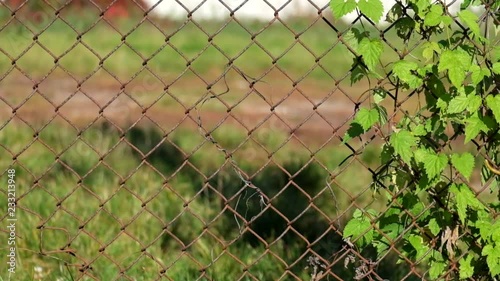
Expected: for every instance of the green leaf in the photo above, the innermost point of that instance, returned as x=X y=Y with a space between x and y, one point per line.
x=419 y=130
x=466 y=267
x=404 y=70
x=475 y=102
x=422 y=6
x=470 y=102
x=404 y=27
x=465 y=4
x=471 y=20
x=395 y=13
x=458 y=63
x=355 y=130
x=474 y=125
x=351 y=38
x=434 y=164
x=371 y=49
x=367 y=118
x=434 y=227
x=434 y=16
x=496 y=67
x=458 y=104
x=379 y=95
x=357 y=227
x=463 y=163
x=382 y=112
x=429 y=49
x=478 y=73
x=465 y=198
x=418 y=244
x=358 y=71
x=492 y=258
x=373 y=9
x=387 y=154
x=341 y=8
x=493 y=103
x=403 y=141
x=437 y=268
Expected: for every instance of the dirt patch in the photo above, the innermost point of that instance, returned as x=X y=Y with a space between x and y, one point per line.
x=310 y=110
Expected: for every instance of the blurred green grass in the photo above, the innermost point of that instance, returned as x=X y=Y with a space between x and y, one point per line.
x=93 y=194
x=123 y=49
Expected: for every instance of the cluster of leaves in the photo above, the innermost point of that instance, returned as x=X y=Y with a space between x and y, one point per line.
x=433 y=216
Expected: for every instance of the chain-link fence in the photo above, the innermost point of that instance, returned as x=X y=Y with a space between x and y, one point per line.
x=140 y=146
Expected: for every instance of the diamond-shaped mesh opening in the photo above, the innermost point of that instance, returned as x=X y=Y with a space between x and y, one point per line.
x=37 y=158
x=17 y=39
x=102 y=46
x=36 y=58
x=146 y=48
x=15 y=89
x=55 y=44
x=87 y=61
x=121 y=68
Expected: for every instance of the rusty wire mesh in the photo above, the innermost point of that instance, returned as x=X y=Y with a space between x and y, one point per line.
x=182 y=160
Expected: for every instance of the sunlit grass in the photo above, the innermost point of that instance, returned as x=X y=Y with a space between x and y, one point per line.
x=88 y=193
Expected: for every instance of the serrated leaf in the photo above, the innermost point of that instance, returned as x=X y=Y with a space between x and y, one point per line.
x=463 y=163
x=373 y=9
x=356 y=228
x=496 y=67
x=341 y=8
x=355 y=130
x=465 y=198
x=394 y=13
x=352 y=39
x=492 y=258
x=458 y=63
x=473 y=126
x=466 y=267
x=493 y=103
x=367 y=118
x=437 y=268
x=422 y=6
x=434 y=16
x=429 y=49
x=358 y=71
x=475 y=102
x=478 y=73
x=470 y=19
x=404 y=71
x=418 y=244
x=404 y=27
x=434 y=164
x=434 y=227
x=402 y=142
x=458 y=104
x=371 y=49
x=419 y=130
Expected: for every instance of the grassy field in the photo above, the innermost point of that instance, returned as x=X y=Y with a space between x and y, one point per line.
x=123 y=50
x=78 y=46
x=117 y=213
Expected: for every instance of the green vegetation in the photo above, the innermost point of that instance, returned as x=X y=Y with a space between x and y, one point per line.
x=434 y=213
x=91 y=194
x=170 y=47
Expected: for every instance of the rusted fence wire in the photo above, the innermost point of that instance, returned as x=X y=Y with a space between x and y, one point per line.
x=141 y=147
